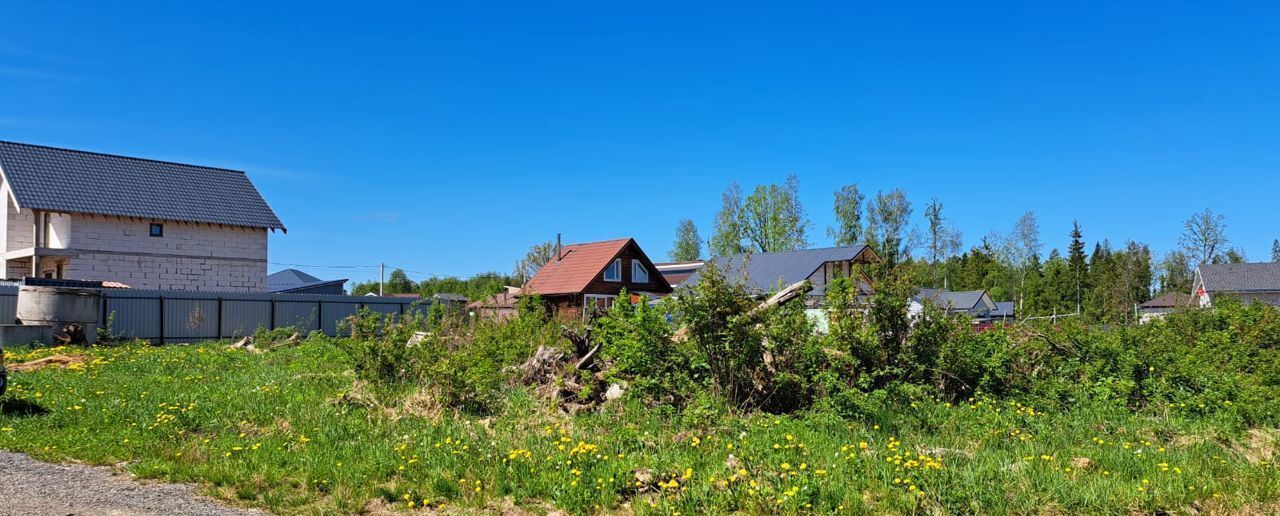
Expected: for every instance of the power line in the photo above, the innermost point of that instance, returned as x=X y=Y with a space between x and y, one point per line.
x=325 y=266
x=389 y=266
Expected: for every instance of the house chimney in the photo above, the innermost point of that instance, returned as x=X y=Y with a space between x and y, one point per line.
x=558 y=255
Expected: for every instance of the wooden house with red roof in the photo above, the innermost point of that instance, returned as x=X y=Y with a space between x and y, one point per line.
x=583 y=276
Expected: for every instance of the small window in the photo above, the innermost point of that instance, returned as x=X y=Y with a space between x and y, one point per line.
x=639 y=274
x=157 y=229
x=614 y=271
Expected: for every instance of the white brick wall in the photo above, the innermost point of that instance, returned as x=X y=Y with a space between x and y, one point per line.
x=189 y=256
x=20 y=227
x=170 y=272
x=98 y=233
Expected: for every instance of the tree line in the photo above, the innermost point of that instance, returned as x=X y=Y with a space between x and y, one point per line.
x=1104 y=284
x=476 y=287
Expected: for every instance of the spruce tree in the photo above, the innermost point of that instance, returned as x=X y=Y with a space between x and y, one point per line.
x=1076 y=262
x=1275 y=250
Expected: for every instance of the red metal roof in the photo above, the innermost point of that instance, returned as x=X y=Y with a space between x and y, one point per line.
x=579 y=264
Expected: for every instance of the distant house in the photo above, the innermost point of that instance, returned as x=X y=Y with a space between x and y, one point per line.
x=977 y=304
x=150 y=224
x=1006 y=311
x=502 y=305
x=588 y=275
x=449 y=299
x=1245 y=282
x=1161 y=305
x=294 y=281
x=677 y=272
x=762 y=273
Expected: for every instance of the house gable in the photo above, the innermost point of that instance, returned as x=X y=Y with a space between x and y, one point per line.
x=628 y=254
x=580 y=270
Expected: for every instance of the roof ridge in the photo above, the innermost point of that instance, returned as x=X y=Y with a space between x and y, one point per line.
x=806 y=250
x=611 y=240
x=133 y=158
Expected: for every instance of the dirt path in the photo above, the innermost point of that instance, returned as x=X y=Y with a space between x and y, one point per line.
x=28 y=486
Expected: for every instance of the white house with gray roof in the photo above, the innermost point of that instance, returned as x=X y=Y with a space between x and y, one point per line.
x=149 y=224
x=977 y=304
x=1245 y=282
x=763 y=273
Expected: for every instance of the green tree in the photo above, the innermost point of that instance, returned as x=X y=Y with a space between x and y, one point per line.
x=726 y=234
x=772 y=218
x=537 y=256
x=1076 y=262
x=1275 y=250
x=1023 y=249
x=1175 y=273
x=886 y=229
x=848 y=210
x=688 y=245
x=1233 y=255
x=1204 y=236
x=399 y=283
x=1059 y=286
x=944 y=240
x=476 y=287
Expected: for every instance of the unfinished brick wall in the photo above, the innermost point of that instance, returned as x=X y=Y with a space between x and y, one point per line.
x=201 y=257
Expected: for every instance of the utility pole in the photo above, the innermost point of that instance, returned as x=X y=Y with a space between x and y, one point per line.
x=382 y=277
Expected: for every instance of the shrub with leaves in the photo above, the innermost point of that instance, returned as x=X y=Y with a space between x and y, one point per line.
x=636 y=342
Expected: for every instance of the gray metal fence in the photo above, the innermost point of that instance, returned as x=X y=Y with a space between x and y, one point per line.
x=176 y=316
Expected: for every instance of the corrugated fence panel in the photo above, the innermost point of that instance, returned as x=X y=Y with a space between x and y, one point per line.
x=299 y=314
x=335 y=313
x=190 y=319
x=135 y=318
x=242 y=317
x=8 y=305
x=191 y=316
x=384 y=308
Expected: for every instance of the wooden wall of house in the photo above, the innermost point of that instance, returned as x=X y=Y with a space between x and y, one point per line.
x=628 y=254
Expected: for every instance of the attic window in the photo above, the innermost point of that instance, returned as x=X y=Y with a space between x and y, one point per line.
x=614 y=271
x=639 y=274
x=157 y=229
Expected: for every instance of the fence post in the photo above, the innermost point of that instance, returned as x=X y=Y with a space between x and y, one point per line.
x=272 y=325
x=219 y=331
x=104 y=307
x=161 y=298
x=320 y=315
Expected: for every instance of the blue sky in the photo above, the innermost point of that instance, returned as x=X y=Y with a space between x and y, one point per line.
x=447 y=138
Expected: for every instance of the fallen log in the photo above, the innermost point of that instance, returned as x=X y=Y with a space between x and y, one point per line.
x=792 y=291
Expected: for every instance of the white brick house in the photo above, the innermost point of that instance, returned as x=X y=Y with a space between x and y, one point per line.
x=148 y=224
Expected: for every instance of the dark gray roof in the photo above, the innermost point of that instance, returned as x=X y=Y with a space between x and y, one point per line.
x=294 y=279
x=72 y=181
x=1168 y=300
x=450 y=297
x=762 y=273
x=1241 y=277
x=948 y=300
x=1004 y=309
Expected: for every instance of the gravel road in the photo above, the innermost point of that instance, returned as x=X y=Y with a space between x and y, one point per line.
x=28 y=486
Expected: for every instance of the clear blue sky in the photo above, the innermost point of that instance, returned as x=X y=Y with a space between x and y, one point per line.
x=448 y=138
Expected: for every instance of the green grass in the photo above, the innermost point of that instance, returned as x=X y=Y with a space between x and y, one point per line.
x=269 y=430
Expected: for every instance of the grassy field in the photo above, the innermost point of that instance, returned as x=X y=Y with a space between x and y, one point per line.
x=291 y=431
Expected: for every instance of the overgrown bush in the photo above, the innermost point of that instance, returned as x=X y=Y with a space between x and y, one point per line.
x=468 y=365
x=637 y=345
x=714 y=340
